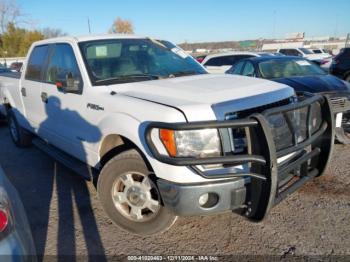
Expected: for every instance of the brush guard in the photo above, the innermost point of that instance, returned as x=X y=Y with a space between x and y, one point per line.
x=311 y=141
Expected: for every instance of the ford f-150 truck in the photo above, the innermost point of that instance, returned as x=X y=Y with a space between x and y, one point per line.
x=161 y=136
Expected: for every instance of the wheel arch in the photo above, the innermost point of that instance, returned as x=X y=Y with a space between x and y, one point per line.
x=115 y=144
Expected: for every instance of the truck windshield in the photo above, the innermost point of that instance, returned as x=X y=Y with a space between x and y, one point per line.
x=128 y=60
x=288 y=68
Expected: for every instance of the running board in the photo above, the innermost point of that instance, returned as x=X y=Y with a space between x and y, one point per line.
x=63 y=158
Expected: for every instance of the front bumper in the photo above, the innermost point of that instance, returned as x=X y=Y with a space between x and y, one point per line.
x=183 y=200
x=307 y=135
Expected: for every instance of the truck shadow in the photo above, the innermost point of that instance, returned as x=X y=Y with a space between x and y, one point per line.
x=57 y=199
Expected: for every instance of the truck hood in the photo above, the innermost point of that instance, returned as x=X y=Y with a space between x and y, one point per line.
x=198 y=96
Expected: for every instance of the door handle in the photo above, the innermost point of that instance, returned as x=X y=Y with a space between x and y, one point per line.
x=44 y=97
x=23 y=91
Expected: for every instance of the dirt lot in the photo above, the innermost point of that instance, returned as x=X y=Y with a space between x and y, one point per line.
x=66 y=217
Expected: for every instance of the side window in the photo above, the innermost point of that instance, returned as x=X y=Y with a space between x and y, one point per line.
x=237 y=68
x=225 y=60
x=215 y=61
x=284 y=51
x=248 y=69
x=296 y=53
x=62 y=65
x=36 y=63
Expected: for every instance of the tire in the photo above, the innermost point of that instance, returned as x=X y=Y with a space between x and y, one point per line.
x=124 y=188
x=19 y=135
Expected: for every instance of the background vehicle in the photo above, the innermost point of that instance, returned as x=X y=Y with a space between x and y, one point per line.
x=303 y=76
x=164 y=137
x=322 y=59
x=341 y=65
x=321 y=51
x=221 y=62
x=16 y=242
x=200 y=58
x=16 y=66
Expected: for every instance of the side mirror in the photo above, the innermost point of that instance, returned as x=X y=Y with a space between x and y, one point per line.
x=70 y=85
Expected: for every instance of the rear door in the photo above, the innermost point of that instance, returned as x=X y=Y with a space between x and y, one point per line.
x=31 y=85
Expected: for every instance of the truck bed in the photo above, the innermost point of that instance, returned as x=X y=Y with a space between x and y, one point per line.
x=16 y=75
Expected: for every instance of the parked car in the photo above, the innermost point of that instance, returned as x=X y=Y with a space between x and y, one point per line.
x=321 y=51
x=221 y=62
x=341 y=65
x=323 y=60
x=16 y=242
x=303 y=76
x=200 y=58
x=164 y=137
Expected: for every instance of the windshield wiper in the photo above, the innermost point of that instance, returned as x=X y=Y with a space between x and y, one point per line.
x=185 y=73
x=127 y=78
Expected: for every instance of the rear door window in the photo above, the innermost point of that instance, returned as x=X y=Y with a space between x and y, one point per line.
x=36 y=63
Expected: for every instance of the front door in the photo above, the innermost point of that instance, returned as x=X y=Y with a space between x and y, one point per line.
x=66 y=122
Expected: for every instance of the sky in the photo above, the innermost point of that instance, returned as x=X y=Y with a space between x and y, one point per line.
x=195 y=20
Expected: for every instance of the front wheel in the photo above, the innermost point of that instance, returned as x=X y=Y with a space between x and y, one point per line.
x=130 y=197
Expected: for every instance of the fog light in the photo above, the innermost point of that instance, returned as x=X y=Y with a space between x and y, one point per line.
x=208 y=200
x=203 y=199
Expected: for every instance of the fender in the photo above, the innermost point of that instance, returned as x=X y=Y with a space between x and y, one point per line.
x=133 y=129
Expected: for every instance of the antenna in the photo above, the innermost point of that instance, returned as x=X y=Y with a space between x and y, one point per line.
x=88 y=21
x=274 y=24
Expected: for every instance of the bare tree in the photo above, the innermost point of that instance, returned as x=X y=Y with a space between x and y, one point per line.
x=49 y=32
x=122 y=26
x=9 y=13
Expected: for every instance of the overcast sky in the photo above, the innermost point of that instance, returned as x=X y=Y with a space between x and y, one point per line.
x=195 y=20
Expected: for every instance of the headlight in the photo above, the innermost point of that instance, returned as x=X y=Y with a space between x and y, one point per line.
x=191 y=143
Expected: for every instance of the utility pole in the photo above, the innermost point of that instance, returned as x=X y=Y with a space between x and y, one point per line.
x=88 y=21
x=347 y=41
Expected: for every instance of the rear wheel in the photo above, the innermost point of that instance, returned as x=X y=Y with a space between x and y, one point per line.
x=130 y=196
x=19 y=135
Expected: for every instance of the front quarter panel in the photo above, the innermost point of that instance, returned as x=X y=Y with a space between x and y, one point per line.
x=132 y=126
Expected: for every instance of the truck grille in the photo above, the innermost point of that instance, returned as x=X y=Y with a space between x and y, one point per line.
x=288 y=129
x=259 y=109
x=340 y=104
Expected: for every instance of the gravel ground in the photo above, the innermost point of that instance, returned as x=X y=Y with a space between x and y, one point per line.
x=67 y=219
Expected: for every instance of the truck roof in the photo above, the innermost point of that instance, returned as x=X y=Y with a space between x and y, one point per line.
x=88 y=38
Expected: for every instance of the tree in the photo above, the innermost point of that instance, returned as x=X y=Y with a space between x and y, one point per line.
x=48 y=32
x=10 y=13
x=122 y=26
x=16 y=41
x=29 y=38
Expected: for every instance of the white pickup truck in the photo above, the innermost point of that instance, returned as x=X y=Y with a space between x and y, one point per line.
x=161 y=136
